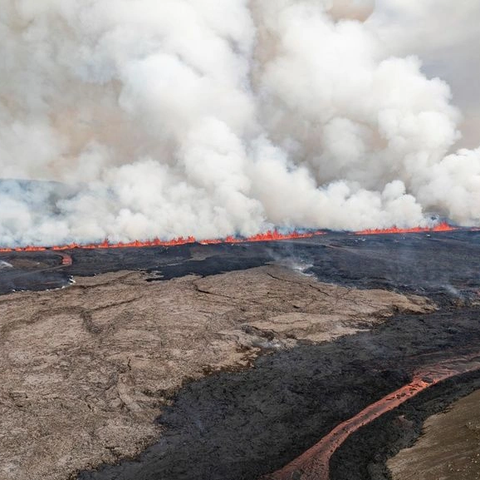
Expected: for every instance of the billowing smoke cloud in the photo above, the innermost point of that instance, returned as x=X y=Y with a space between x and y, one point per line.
x=132 y=119
x=444 y=34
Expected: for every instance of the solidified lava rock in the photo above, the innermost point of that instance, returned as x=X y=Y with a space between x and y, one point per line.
x=364 y=454
x=29 y=271
x=452 y=435
x=114 y=349
x=86 y=370
x=242 y=426
x=443 y=266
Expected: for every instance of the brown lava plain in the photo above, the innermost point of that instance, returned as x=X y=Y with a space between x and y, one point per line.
x=228 y=361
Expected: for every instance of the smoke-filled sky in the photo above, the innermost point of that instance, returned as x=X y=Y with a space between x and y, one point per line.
x=135 y=119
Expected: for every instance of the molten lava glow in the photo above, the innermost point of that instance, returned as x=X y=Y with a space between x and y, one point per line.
x=271 y=235
x=441 y=227
x=261 y=237
x=314 y=464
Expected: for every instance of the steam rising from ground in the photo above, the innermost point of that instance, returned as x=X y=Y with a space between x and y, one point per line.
x=197 y=117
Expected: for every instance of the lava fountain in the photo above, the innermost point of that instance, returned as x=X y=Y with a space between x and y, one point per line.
x=269 y=236
x=441 y=227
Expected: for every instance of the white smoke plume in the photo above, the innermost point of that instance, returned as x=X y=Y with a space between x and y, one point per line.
x=135 y=119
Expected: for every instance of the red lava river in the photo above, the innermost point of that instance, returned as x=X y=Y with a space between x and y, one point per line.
x=314 y=464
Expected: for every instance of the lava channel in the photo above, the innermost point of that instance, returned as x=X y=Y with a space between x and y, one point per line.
x=314 y=464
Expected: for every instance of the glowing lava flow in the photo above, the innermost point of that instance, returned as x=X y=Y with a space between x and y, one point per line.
x=271 y=235
x=314 y=464
x=261 y=237
x=441 y=227
x=67 y=260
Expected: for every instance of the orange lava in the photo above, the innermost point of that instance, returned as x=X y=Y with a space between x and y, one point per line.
x=261 y=237
x=271 y=235
x=441 y=227
x=67 y=260
x=314 y=464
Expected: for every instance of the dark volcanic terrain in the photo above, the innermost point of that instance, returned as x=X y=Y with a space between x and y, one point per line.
x=329 y=324
x=443 y=265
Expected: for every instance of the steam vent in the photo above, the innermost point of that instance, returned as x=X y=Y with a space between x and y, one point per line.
x=239 y=240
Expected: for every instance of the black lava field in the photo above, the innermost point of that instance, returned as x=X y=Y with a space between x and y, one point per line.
x=245 y=425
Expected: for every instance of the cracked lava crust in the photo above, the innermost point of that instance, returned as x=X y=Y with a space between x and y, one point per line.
x=229 y=361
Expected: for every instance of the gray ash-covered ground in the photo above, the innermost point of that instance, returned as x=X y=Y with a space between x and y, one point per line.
x=245 y=425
